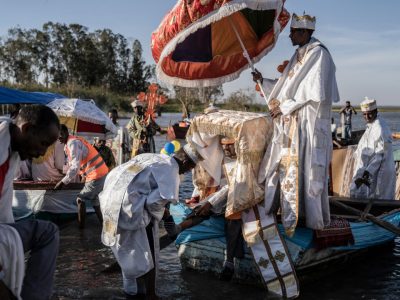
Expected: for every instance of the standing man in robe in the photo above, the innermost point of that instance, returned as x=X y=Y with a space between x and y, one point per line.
x=133 y=203
x=374 y=169
x=142 y=130
x=295 y=166
x=120 y=145
x=27 y=136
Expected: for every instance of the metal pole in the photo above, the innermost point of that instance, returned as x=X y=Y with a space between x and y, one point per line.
x=247 y=56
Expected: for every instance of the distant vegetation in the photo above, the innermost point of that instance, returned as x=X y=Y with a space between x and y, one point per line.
x=75 y=62
x=99 y=65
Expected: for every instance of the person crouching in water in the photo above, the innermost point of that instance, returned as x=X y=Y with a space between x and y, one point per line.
x=133 y=202
x=83 y=159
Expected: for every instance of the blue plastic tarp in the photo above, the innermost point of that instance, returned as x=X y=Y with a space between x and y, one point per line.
x=12 y=96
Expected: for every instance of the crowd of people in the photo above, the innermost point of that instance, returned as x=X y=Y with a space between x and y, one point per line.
x=134 y=186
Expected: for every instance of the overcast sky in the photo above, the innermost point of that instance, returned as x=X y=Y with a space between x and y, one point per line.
x=363 y=36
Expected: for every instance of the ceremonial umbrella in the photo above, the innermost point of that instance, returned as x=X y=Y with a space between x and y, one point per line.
x=83 y=117
x=208 y=42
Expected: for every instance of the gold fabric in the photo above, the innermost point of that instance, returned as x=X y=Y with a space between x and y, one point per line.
x=342 y=170
x=252 y=133
x=289 y=175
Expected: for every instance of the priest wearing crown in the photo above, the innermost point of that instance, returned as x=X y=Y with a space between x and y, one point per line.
x=374 y=173
x=295 y=166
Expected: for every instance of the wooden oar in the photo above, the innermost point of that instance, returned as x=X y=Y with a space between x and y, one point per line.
x=377 y=221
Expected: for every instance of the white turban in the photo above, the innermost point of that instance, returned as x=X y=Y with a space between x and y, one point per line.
x=368 y=105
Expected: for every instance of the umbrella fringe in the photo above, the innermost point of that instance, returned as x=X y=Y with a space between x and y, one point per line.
x=224 y=11
x=209 y=81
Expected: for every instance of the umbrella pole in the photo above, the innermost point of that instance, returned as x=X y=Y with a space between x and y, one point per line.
x=247 y=56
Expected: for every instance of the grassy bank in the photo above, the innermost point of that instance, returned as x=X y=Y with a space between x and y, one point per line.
x=106 y=100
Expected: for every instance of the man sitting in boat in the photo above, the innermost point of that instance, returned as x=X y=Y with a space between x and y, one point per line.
x=133 y=203
x=215 y=204
x=49 y=167
x=83 y=159
x=374 y=169
x=28 y=136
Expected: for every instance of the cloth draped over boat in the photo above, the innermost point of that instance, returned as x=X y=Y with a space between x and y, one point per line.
x=374 y=154
x=308 y=88
x=251 y=132
x=342 y=170
x=12 y=259
x=270 y=253
x=195 y=45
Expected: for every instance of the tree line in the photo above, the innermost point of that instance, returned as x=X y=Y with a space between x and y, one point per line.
x=103 y=65
x=61 y=55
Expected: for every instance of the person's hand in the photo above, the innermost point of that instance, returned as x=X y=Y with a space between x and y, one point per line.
x=204 y=209
x=362 y=180
x=275 y=112
x=366 y=178
x=282 y=66
x=358 y=182
x=59 y=185
x=257 y=76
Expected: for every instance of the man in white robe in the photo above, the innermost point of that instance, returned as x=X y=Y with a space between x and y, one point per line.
x=28 y=136
x=133 y=202
x=300 y=104
x=374 y=168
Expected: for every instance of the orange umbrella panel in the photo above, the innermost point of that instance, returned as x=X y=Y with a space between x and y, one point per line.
x=211 y=54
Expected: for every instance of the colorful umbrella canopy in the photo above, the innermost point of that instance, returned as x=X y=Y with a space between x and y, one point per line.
x=83 y=117
x=196 y=45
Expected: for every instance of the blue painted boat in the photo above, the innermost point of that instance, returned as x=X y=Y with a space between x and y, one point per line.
x=202 y=247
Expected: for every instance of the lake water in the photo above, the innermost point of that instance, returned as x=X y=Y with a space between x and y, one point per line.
x=375 y=276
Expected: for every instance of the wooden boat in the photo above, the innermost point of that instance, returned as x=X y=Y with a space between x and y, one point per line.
x=367 y=223
x=38 y=199
x=207 y=255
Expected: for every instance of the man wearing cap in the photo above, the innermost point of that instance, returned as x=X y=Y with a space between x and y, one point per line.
x=300 y=103
x=142 y=130
x=374 y=169
x=133 y=203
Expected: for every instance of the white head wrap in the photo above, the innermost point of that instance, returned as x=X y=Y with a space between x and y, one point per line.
x=136 y=103
x=368 y=104
x=303 y=22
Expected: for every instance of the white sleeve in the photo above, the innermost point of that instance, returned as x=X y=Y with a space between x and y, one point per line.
x=59 y=156
x=75 y=148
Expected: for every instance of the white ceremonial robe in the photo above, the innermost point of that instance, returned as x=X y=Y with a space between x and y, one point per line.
x=12 y=259
x=6 y=193
x=374 y=154
x=307 y=87
x=135 y=194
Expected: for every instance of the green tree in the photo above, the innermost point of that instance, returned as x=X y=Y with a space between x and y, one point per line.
x=139 y=74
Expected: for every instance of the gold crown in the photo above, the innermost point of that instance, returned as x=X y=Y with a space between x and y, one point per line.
x=304 y=17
